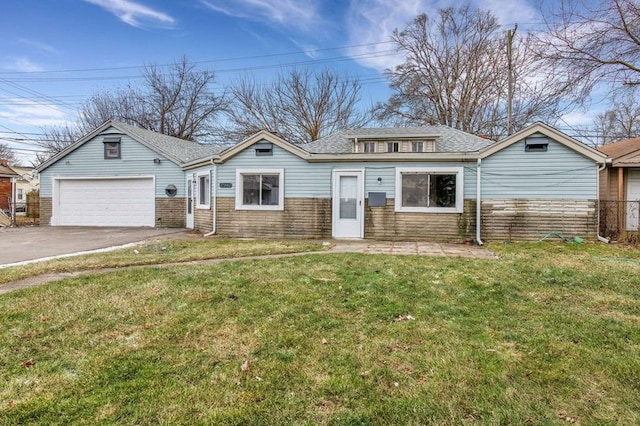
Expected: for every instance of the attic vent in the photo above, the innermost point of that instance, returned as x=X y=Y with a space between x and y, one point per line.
x=536 y=144
x=264 y=149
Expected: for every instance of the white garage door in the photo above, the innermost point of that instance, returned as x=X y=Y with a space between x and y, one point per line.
x=105 y=202
x=633 y=197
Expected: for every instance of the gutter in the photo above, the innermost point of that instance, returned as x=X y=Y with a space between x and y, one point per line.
x=598 y=236
x=478 y=202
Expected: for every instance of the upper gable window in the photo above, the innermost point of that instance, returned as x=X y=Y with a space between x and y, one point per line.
x=112 y=149
x=536 y=144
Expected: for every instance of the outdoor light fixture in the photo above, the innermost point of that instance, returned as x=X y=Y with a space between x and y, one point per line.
x=379 y=180
x=156 y=160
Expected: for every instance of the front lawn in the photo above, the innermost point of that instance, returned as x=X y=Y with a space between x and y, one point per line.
x=547 y=334
x=161 y=251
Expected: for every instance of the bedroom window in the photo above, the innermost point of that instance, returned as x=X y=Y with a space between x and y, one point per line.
x=260 y=189
x=437 y=190
x=111 y=148
x=204 y=191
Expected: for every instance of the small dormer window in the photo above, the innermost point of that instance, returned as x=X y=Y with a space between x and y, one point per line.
x=417 y=146
x=369 y=147
x=112 y=148
x=393 y=147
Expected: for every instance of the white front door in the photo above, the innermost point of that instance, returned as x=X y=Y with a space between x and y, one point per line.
x=348 y=204
x=191 y=193
x=633 y=200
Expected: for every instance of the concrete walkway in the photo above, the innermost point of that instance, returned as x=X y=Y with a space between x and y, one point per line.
x=415 y=248
x=339 y=246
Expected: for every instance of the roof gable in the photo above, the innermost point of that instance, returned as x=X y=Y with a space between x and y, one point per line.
x=178 y=151
x=263 y=135
x=550 y=132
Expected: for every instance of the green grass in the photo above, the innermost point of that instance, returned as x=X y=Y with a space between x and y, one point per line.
x=155 y=252
x=547 y=334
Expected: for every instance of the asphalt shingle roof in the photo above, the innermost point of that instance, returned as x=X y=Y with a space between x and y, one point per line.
x=446 y=138
x=181 y=150
x=622 y=148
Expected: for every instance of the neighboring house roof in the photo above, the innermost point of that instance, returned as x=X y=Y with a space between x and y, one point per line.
x=447 y=139
x=550 y=132
x=179 y=151
x=623 y=153
x=6 y=172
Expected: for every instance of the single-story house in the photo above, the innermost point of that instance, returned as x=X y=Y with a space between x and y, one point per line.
x=620 y=188
x=421 y=183
x=7 y=186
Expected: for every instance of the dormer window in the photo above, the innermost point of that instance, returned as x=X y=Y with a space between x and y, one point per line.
x=417 y=146
x=111 y=148
x=369 y=147
x=393 y=147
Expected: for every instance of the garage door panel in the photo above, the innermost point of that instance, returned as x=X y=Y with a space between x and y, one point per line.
x=106 y=202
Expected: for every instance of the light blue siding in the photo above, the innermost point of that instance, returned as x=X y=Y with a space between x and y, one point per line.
x=313 y=180
x=136 y=160
x=560 y=172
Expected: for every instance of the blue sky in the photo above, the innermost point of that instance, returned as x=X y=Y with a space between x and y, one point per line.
x=56 y=53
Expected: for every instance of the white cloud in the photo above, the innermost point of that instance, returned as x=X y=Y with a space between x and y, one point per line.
x=300 y=14
x=39 y=46
x=31 y=113
x=134 y=14
x=21 y=64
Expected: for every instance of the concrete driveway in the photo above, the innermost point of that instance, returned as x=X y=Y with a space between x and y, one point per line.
x=23 y=244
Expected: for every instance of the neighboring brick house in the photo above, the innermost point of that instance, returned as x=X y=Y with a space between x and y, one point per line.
x=7 y=186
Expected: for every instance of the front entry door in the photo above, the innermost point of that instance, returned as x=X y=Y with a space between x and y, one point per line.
x=191 y=193
x=348 y=204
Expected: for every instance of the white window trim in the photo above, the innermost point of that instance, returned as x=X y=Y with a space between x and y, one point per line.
x=458 y=171
x=239 y=189
x=200 y=206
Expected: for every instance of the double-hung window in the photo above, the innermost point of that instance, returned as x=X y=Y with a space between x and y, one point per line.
x=260 y=189
x=204 y=191
x=437 y=190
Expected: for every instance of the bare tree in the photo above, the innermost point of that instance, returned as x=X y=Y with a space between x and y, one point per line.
x=455 y=73
x=7 y=153
x=55 y=139
x=621 y=121
x=593 y=41
x=302 y=106
x=179 y=103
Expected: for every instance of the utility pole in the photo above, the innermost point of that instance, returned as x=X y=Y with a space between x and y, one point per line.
x=510 y=35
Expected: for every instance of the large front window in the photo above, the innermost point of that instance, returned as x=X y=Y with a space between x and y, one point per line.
x=260 y=189
x=429 y=190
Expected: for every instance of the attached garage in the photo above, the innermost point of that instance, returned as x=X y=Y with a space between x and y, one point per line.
x=104 y=202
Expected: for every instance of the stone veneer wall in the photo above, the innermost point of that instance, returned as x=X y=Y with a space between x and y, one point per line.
x=171 y=212
x=46 y=210
x=527 y=220
x=301 y=218
x=384 y=223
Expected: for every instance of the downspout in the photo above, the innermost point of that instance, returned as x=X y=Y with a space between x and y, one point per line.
x=214 y=194
x=600 y=237
x=13 y=201
x=478 y=202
